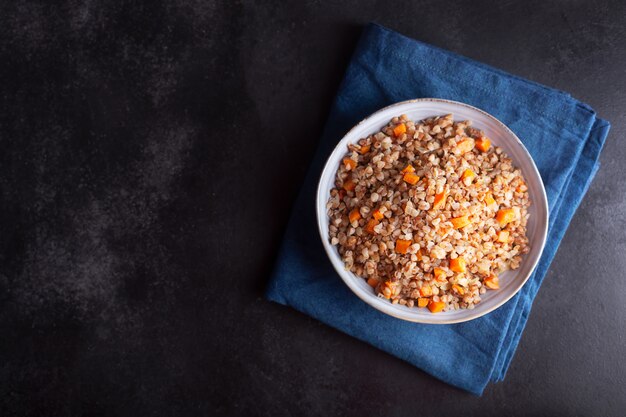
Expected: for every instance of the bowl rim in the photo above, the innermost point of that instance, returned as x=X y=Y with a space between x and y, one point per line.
x=389 y=310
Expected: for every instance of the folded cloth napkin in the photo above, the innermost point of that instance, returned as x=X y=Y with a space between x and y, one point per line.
x=564 y=137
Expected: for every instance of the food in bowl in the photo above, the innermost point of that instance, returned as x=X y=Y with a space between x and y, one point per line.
x=429 y=213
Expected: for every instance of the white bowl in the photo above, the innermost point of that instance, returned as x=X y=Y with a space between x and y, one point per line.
x=510 y=281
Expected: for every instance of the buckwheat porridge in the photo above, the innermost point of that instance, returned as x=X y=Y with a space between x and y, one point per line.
x=429 y=213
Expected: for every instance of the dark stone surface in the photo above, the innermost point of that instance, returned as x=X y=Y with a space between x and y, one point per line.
x=150 y=155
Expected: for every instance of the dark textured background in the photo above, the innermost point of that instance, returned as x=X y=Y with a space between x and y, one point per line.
x=149 y=157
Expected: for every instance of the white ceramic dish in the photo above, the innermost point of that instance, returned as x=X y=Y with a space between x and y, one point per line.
x=511 y=281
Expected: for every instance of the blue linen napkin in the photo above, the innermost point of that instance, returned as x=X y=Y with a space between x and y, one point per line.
x=564 y=137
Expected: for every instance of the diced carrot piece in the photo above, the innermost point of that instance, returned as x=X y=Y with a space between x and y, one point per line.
x=354 y=215
x=503 y=236
x=399 y=130
x=402 y=245
x=489 y=200
x=464 y=145
x=349 y=185
x=349 y=163
x=459 y=222
x=372 y=282
x=468 y=173
x=411 y=178
x=408 y=168
x=440 y=274
x=369 y=227
x=377 y=214
x=492 y=282
x=420 y=254
x=436 y=306
x=426 y=291
x=440 y=199
x=458 y=289
x=422 y=302
x=390 y=289
x=483 y=144
x=458 y=264
x=505 y=216
x=364 y=149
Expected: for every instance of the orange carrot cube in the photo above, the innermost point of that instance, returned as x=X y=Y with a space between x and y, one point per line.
x=411 y=178
x=436 y=306
x=369 y=227
x=349 y=185
x=440 y=200
x=377 y=214
x=349 y=163
x=422 y=302
x=426 y=291
x=440 y=274
x=399 y=129
x=372 y=282
x=354 y=215
x=408 y=168
x=402 y=245
x=460 y=222
x=505 y=216
x=492 y=282
x=483 y=144
x=458 y=264
x=468 y=173
x=503 y=236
